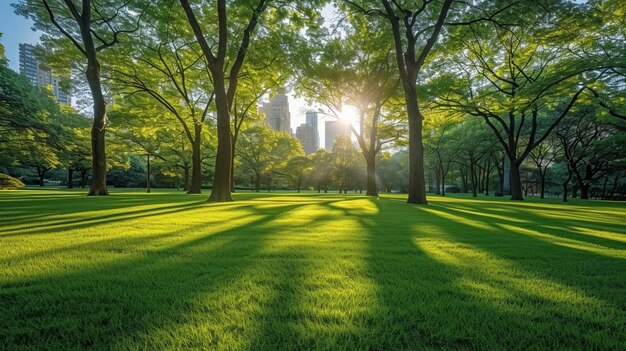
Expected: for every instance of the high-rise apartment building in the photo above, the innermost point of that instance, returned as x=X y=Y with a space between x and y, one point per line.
x=40 y=75
x=276 y=112
x=333 y=129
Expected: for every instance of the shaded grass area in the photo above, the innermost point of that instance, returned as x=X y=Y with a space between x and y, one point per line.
x=285 y=271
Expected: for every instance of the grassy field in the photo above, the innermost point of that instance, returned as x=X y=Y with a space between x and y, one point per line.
x=285 y=271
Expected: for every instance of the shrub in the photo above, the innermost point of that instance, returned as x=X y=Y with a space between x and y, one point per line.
x=9 y=183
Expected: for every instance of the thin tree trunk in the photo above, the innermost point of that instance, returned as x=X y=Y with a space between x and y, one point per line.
x=148 y=173
x=463 y=181
x=566 y=184
x=474 y=177
x=542 y=177
x=196 y=162
x=487 y=176
x=232 y=165
x=41 y=173
x=437 y=181
x=70 y=178
x=186 y=177
x=443 y=182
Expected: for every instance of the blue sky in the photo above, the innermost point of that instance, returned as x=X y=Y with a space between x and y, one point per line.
x=16 y=29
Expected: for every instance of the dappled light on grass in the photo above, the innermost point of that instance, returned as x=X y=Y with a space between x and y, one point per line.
x=571 y=243
x=309 y=271
x=501 y=276
x=451 y=216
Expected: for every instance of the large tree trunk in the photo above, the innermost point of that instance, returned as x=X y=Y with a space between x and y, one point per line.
x=417 y=182
x=372 y=188
x=98 y=129
x=221 y=180
x=516 y=182
x=70 y=176
x=584 y=191
x=196 y=162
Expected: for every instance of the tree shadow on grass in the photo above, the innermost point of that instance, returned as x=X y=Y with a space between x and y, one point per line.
x=324 y=273
x=534 y=223
x=201 y=291
x=444 y=284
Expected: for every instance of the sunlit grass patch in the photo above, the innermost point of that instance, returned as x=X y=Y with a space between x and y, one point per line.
x=284 y=271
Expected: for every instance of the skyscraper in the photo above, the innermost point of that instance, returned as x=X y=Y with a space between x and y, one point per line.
x=333 y=129
x=40 y=75
x=307 y=136
x=276 y=112
x=311 y=120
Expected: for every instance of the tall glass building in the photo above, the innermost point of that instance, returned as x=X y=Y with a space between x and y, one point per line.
x=40 y=75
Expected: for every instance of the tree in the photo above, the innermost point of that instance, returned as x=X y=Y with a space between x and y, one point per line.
x=36 y=150
x=355 y=69
x=589 y=147
x=169 y=69
x=235 y=38
x=283 y=151
x=415 y=31
x=344 y=156
x=255 y=83
x=91 y=27
x=543 y=156
x=321 y=170
x=224 y=95
x=521 y=79
x=441 y=145
x=295 y=170
x=255 y=149
x=22 y=106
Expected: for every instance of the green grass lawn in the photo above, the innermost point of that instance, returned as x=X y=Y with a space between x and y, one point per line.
x=285 y=271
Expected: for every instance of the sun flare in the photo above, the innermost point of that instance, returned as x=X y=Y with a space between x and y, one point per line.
x=349 y=114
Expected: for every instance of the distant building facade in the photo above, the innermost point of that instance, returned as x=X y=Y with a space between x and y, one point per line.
x=277 y=115
x=307 y=133
x=332 y=130
x=40 y=75
x=312 y=120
